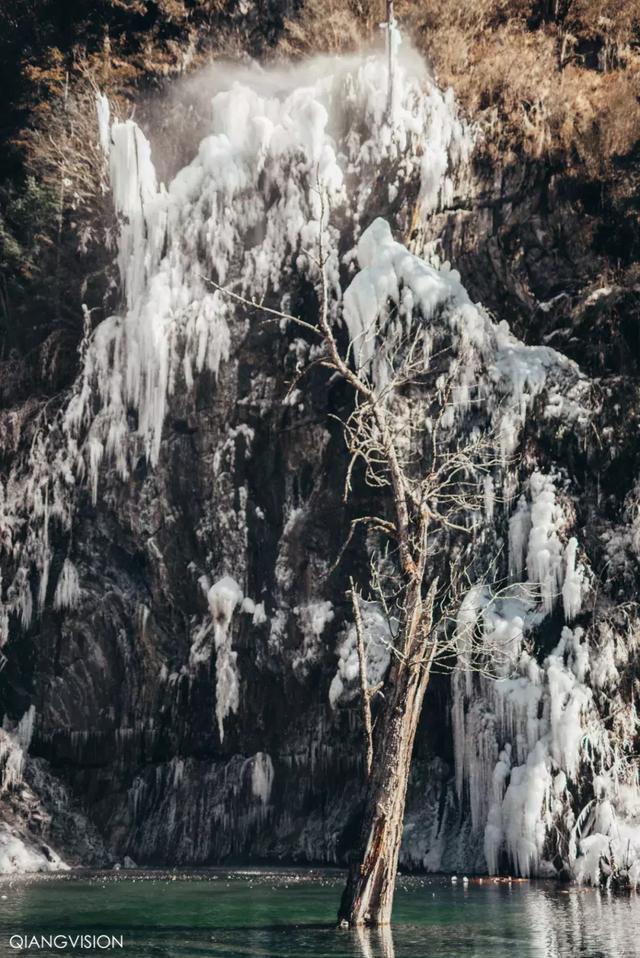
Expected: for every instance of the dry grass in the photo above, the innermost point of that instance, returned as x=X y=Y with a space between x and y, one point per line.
x=326 y=26
x=567 y=87
x=556 y=78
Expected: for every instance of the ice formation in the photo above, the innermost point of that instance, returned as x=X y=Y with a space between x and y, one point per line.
x=223 y=597
x=20 y=851
x=313 y=618
x=516 y=736
x=378 y=641
x=14 y=744
x=490 y=368
x=527 y=741
x=67 y=591
x=269 y=159
x=262 y=776
x=19 y=855
x=552 y=566
x=291 y=158
x=244 y=214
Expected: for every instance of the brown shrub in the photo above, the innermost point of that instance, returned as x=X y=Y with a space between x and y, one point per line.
x=326 y=26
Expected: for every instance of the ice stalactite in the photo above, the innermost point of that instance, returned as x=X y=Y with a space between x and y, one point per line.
x=67 y=591
x=574 y=581
x=544 y=552
x=531 y=741
x=223 y=598
x=519 y=531
x=262 y=775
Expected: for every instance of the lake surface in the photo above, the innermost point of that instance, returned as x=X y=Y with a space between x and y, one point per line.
x=264 y=913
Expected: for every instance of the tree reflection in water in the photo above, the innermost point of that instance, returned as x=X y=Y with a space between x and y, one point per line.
x=376 y=942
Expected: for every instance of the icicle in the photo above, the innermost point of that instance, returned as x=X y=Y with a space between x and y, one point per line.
x=223 y=597
x=67 y=591
x=519 y=530
x=489 y=498
x=544 y=555
x=103 y=111
x=262 y=776
x=573 y=582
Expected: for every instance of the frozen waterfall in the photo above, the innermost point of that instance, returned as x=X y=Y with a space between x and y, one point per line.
x=293 y=157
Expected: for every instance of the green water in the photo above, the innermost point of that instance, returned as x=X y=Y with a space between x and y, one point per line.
x=289 y=914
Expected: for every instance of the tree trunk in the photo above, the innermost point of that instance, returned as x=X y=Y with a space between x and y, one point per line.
x=368 y=896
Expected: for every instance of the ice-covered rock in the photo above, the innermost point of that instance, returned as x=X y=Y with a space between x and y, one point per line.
x=180 y=448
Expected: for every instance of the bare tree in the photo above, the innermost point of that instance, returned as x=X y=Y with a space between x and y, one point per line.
x=433 y=494
x=430 y=491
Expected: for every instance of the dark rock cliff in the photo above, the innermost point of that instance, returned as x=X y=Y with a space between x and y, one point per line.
x=125 y=733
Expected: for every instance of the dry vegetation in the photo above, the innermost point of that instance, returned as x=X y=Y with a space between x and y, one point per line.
x=548 y=78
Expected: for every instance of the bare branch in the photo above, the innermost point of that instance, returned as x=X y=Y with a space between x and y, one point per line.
x=254 y=304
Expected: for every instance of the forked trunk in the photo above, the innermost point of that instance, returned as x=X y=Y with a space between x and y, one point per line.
x=368 y=896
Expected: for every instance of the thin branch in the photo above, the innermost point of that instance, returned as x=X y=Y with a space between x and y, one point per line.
x=253 y=304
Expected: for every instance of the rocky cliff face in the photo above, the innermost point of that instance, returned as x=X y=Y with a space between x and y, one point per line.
x=172 y=612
